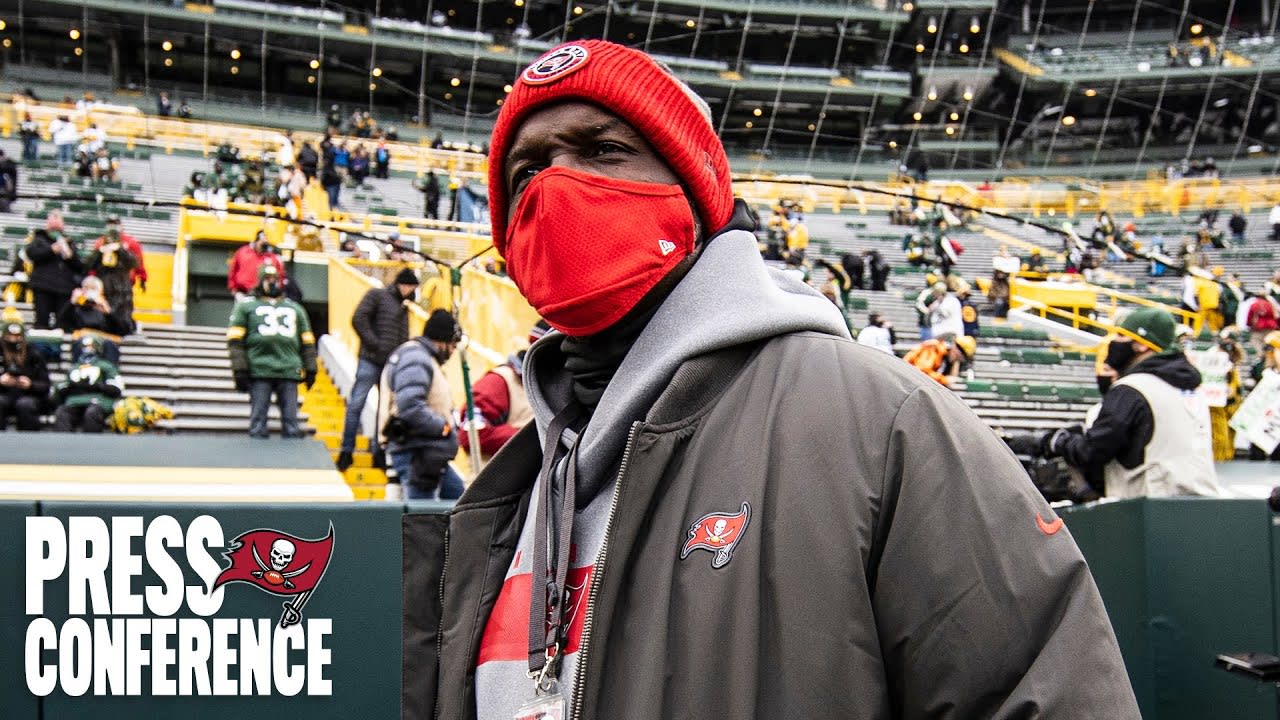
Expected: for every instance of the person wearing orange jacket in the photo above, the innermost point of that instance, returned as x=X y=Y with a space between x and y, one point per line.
x=940 y=358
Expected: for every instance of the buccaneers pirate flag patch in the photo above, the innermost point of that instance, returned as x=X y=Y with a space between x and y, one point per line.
x=719 y=533
x=280 y=564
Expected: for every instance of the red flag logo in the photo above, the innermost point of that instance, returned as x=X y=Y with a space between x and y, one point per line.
x=278 y=563
x=718 y=533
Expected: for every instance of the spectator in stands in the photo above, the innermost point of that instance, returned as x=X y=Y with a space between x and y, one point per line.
x=342 y=158
x=878 y=333
x=640 y=380
x=184 y=110
x=86 y=102
x=29 y=131
x=285 y=157
x=89 y=313
x=942 y=358
x=1237 y=224
x=164 y=106
x=65 y=136
x=1274 y=218
x=381 y=322
x=942 y=311
x=8 y=182
x=1224 y=437
x=24 y=380
x=227 y=153
x=419 y=431
x=56 y=269
x=84 y=400
x=879 y=269
x=103 y=168
x=95 y=137
x=382 y=161
x=272 y=349
x=968 y=311
x=437 y=143
x=331 y=181
x=308 y=160
x=854 y=267
x=242 y=278
x=501 y=402
x=359 y=165
x=1034 y=263
x=333 y=121
x=429 y=186
x=837 y=285
x=114 y=264
x=1003 y=267
x=1140 y=456
x=82 y=166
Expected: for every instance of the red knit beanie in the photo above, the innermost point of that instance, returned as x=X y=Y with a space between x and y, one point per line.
x=633 y=86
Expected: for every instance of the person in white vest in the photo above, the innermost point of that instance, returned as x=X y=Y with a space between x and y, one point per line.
x=501 y=401
x=1139 y=456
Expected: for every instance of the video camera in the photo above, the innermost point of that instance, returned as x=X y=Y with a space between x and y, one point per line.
x=1053 y=477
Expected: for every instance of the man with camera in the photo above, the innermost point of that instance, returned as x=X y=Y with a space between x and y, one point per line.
x=1138 y=456
x=24 y=383
x=242 y=278
x=419 y=433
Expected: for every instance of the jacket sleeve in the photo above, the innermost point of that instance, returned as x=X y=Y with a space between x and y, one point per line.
x=409 y=385
x=233 y=270
x=494 y=402
x=365 y=319
x=1123 y=428
x=38 y=372
x=39 y=250
x=983 y=603
x=236 y=331
x=140 y=269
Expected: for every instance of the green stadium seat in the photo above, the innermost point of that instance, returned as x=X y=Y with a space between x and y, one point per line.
x=857 y=303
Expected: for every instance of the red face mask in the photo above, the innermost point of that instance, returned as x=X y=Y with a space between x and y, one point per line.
x=584 y=249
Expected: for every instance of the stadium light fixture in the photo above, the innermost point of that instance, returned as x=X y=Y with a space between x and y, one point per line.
x=311 y=79
x=168 y=62
x=812 y=127
x=455 y=82
x=74 y=34
x=919 y=47
x=314 y=64
x=968 y=93
x=951 y=130
x=1197 y=28
x=954 y=116
x=757 y=112
x=908 y=7
x=3 y=25
x=499 y=102
x=448 y=96
x=235 y=54
x=577 y=10
x=7 y=43
x=917 y=116
x=166 y=46
x=506 y=88
x=1069 y=120
x=373 y=86
x=750 y=124
x=691 y=24
x=79 y=51
x=1090 y=92
x=933 y=26
x=377 y=72
x=974 y=27
x=519 y=3
x=893 y=144
x=933 y=93
x=964 y=47
x=235 y=69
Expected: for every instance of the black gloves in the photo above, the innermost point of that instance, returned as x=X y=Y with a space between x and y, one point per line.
x=1054 y=442
x=242 y=382
x=310 y=379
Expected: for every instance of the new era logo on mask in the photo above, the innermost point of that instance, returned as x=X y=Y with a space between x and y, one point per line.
x=666 y=246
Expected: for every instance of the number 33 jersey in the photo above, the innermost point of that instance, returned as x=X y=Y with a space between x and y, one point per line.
x=274 y=334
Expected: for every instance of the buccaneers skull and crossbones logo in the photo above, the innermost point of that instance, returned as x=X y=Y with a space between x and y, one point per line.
x=279 y=563
x=719 y=533
x=281 y=554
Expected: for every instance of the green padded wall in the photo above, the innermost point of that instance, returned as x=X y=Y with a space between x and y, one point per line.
x=15 y=701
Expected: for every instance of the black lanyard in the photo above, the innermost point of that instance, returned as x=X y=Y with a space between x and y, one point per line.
x=546 y=631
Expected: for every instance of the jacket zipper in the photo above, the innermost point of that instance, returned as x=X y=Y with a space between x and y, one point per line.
x=597 y=572
x=444 y=568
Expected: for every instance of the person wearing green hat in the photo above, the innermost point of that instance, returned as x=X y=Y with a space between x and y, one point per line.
x=1138 y=456
x=24 y=379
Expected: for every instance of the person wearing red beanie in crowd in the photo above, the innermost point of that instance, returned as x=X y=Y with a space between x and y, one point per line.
x=499 y=396
x=724 y=504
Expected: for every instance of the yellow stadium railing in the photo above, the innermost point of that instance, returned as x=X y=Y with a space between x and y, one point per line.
x=1075 y=300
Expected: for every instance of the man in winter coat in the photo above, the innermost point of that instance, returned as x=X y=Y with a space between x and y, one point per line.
x=242 y=277
x=138 y=275
x=1138 y=455
x=501 y=400
x=724 y=505
x=381 y=321
x=114 y=264
x=419 y=432
x=56 y=270
x=272 y=349
x=89 y=392
x=24 y=380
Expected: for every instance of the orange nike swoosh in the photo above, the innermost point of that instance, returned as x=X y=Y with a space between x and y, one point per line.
x=1048 y=528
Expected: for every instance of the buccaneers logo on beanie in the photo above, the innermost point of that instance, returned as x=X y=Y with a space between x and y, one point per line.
x=636 y=88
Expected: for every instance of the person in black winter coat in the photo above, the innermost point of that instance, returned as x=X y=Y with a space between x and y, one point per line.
x=880 y=270
x=308 y=160
x=24 y=380
x=56 y=270
x=90 y=312
x=8 y=181
x=854 y=268
x=381 y=320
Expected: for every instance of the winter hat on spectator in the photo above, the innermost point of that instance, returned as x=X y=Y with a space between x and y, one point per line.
x=636 y=88
x=1150 y=326
x=442 y=326
x=406 y=277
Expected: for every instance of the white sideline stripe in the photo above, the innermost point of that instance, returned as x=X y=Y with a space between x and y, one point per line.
x=203 y=492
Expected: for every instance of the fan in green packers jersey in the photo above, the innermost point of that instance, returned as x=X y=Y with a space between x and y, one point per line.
x=272 y=349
